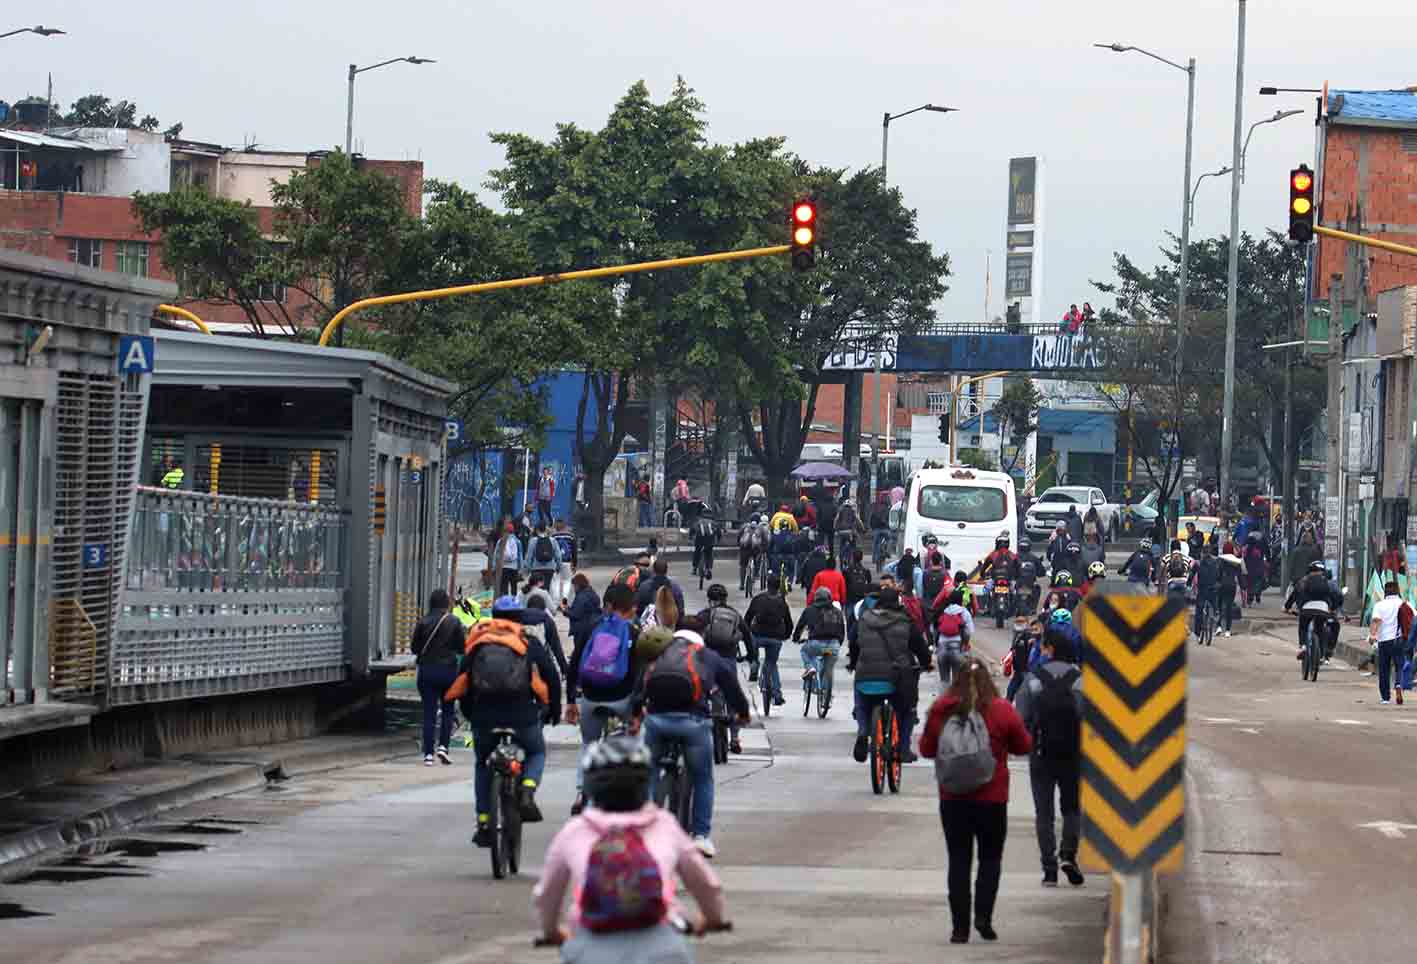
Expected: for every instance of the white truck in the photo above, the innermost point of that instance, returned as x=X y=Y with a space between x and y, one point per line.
x=1052 y=507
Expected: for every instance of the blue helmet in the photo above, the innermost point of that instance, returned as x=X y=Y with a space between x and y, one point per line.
x=1061 y=616
x=506 y=604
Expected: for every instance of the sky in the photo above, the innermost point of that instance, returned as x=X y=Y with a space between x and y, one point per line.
x=1110 y=127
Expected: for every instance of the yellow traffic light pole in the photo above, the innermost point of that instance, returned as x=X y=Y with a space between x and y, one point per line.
x=954 y=411
x=184 y=313
x=544 y=279
x=1362 y=239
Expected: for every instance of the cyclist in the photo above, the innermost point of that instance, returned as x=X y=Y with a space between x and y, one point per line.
x=1176 y=569
x=622 y=825
x=1316 y=598
x=847 y=526
x=831 y=578
x=724 y=632
x=770 y=620
x=825 y=626
x=884 y=654
x=934 y=583
x=603 y=672
x=858 y=582
x=1138 y=567
x=1096 y=573
x=1205 y=576
x=1227 y=583
x=783 y=519
x=752 y=544
x=506 y=680
x=1026 y=572
x=805 y=513
x=880 y=528
x=781 y=558
x=648 y=588
x=674 y=696
x=954 y=629
x=705 y=533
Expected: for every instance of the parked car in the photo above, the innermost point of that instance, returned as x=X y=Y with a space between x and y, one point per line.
x=1052 y=508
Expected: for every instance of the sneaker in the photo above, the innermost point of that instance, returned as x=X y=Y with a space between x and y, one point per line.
x=1050 y=878
x=753 y=673
x=578 y=805
x=778 y=700
x=959 y=937
x=735 y=746
x=808 y=673
x=444 y=757
x=526 y=803
x=483 y=837
x=705 y=846
x=909 y=756
x=858 y=752
x=986 y=930
x=1074 y=875
x=428 y=760
x=1384 y=702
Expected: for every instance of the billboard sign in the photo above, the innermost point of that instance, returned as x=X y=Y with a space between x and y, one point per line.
x=1023 y=177
x=1018 y=276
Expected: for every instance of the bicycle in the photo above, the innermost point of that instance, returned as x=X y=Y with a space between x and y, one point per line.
x=819 y=684
x=751 y=574
x=504 y=813
x=673 y=790
x=885 y=762
x=704 y=565
x=1313 y=650
x=718 y=710
x=1205 y=624
x=673 y=518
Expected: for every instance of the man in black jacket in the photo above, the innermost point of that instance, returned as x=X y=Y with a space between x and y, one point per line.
x=644 y=595
x=724 y=631
x=769 y=619
x=884 y=654
x=437 y=645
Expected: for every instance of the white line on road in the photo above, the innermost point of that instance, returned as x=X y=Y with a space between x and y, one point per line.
x=1389 y=828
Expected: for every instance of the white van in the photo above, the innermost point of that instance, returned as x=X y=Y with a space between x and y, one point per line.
x=964 y=509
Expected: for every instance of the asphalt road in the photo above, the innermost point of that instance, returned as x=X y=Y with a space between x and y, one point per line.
x=373 y=864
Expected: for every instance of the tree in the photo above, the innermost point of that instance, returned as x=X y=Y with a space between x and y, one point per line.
x=1017 y=413
x=96 y=110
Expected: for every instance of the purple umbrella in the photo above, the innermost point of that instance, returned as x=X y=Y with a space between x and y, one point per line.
x=821 y=471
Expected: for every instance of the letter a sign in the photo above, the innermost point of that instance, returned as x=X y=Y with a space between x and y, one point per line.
x=136 y=354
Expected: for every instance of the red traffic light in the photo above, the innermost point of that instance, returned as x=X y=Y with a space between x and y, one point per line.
x=804 y=213
x=1302 y=180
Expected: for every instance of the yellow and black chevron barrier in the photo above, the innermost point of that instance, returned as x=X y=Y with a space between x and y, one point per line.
x=1133 y=733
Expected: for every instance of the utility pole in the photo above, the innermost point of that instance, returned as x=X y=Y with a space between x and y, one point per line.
x=1289 y=495
x=1227 y=422
x=1333 y=497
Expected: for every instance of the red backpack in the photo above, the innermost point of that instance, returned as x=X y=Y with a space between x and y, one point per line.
x=623 y=889
x=951 y=624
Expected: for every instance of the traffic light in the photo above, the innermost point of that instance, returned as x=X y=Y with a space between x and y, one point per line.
x=804 y=233
x=945 y=429
x=1301 y=204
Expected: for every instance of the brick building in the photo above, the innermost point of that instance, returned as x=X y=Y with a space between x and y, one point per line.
x=67 y=195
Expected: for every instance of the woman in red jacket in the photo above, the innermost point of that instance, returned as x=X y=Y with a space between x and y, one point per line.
x=983 y=814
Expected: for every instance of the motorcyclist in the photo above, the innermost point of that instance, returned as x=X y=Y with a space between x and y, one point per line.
x=1317 y=597
x=1071 y=563
x=1027 y=569
x=1064 y=588
x=998 y=564
x=1096 y=573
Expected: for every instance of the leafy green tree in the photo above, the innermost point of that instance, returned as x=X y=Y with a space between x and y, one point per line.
x=1017 y=412
x=96 y=110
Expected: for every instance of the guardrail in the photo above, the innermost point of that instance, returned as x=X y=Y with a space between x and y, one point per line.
x=228 y=594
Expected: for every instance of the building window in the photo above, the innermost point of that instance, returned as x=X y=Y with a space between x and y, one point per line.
x=86 y=251
x=133 y=258
x=271 y=291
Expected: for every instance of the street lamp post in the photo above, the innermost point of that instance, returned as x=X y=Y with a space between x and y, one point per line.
x=876 y=407
x=349 y=107
x=1227 y=431
x=1279 y=115
x=1190 y=71
x=40 y=29
x=1220 y=173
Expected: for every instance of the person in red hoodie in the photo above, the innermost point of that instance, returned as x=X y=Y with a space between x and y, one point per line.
x=982 y=815
x=831 y=579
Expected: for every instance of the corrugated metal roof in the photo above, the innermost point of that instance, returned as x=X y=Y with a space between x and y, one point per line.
x=1387 y=108
x=36 y=139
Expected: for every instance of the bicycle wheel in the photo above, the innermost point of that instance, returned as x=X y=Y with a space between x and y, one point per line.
x=664 y=785
x=720 y=742
x=1316 y=654
x=893 y=748
x=766 y=691
x=808 y=686
x=683 y=797
x=877 y=761
x=494 y=823
x=824 y=694
x=511 y=827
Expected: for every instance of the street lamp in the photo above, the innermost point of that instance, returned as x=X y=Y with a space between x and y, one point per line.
x=349 y=109
x=1232 y=298
x=1220 y=173
x=1279 y=115
x=42 y=30
x=876 y=409
x=1190 y=70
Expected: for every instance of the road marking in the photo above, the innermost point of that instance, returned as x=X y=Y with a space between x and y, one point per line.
x=1389 y=828
x=1352 y=723
x=1218 y=719
x=1249 y=729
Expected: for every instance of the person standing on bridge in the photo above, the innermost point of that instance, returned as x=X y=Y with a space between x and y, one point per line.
x=545 y=493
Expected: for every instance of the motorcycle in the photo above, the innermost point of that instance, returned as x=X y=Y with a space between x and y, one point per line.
x=1025 y=598
x=1002 y=601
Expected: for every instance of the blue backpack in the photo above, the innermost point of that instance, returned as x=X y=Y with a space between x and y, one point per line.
x=606 y=659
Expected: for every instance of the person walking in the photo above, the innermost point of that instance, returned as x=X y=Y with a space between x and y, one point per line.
x=507 y=561
x=545 y=493
x=1227 y=583
x=769 y=619
x=437 y=646
x=1385 y=632
x=1050 y=705
x=570 y=560
x=543 y=557
x=978 y=817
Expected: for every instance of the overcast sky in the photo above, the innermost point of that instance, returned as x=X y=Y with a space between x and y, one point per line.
x=1109 y=126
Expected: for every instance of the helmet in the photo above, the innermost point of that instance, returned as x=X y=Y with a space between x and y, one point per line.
x=1144 y=545
x=1061 y=616
x=1062 y=578
x=506 y=604
x=1002 y=539
x=1074 y=548
x=1025 y=546
x=755 y=519
x=617 y=770
x=1097 y=570
x=1317 y=566
x=717 y=593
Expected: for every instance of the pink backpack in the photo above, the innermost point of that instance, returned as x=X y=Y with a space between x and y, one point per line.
x=623 y=890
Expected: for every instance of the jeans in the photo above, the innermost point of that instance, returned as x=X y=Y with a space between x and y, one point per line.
x=880 y=542
x=660 y=944
x=593 y=726
x=528 y=737
x=1225 y=602
x=703 y=556
x=1016 y=681
x=1202 y=595
x=1404 y=675
x=561 y=588
x=1060 y=777
x=815 y=650
x=1256 y=580
x=900 y=702
x=1389 y=664
x=770 y=649
x=543 y=511
x=696 y=732
x=433 y=682
x=784 y=566
x=507 y=585
x=646 y=515
x=964 y=822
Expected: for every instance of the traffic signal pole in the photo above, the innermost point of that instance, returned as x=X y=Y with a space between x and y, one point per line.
x=434 y=294
x=954 y=412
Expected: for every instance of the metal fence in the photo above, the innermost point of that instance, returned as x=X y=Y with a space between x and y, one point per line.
x=228 y=594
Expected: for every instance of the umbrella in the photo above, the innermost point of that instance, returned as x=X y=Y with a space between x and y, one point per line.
x=821 y=471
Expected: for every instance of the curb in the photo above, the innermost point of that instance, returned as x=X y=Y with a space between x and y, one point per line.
x=22 y=852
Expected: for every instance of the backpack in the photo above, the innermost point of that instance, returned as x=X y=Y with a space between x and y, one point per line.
x=933 y=584
x=951 y=624
x=964 y=761
x=1176 y=568
x=498 y=667
x=1058 y=732
x=606 y=659
x=746 y=537
x=623 y=888
x=629 y=576
x=832 y=625
x=675 y=681
x=858 y=582
x=760 y=538
x=544 y=551
x=722 y=632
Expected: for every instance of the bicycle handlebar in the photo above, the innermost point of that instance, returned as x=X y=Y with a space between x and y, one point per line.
x=678 y=923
